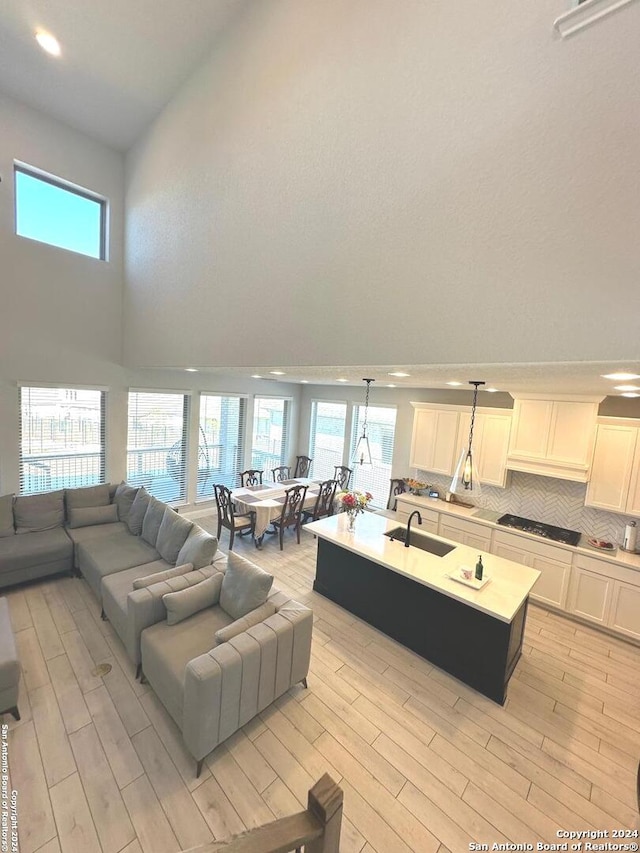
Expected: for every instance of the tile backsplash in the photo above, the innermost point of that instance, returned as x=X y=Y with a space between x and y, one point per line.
x=552 y=501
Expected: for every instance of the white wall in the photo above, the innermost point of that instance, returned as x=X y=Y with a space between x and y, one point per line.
x=396 y=183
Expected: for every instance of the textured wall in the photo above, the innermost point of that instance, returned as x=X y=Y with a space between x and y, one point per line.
x=558 y=502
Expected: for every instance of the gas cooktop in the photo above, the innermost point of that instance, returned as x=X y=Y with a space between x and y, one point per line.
x=556 y=534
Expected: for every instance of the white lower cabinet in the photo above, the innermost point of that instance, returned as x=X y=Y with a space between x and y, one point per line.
x=554 y=565
x=429 y=516
x=606 y=594
x=468 y=532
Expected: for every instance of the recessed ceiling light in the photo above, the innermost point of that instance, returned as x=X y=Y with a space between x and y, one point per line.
x=256 y=376
x=48 y=42
x=398 y=373
x=391 y=385
x=454 y=383
x=621 y=377
x=304 y=381
x=630 y=394
x=627 y=388
x=342 y=380
x=278 y=372
x=191 y=369
x=491 y=390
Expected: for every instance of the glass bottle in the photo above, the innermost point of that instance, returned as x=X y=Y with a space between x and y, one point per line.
x=479 y=568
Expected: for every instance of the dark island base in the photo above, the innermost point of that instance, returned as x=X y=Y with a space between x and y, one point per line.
x=479 y=649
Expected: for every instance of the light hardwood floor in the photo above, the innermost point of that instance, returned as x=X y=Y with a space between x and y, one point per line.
x=426 y=764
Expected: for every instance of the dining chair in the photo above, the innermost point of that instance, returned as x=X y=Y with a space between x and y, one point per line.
x=282 y=472
x=228 y=518
x=323 y=506
x=303 y=466
x=342 y=475
x=251 y=477
x=397 y=487
x=291 y=515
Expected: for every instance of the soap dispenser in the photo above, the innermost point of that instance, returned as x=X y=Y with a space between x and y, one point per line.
x=479 y=568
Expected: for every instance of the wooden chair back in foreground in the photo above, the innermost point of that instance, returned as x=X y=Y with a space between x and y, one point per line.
x=282 y=472
x=397 y=487
x=324 y=502
x=227 y=517
x=291 y=515
x=342 y=475
x=251 y=477
x=303 y=466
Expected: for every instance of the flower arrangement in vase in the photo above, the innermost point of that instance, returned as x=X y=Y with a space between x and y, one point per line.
x=353 y=503
x=414 y=486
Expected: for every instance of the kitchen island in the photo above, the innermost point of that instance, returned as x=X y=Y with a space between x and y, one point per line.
x=475 y=635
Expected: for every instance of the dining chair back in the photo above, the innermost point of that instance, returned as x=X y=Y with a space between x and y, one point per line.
x=282 y=472
x=291 y=515
x=323 y=506
x=342 y=475
x=397 y=487
x=303 y=466
x=251 y=477
x=227 y=517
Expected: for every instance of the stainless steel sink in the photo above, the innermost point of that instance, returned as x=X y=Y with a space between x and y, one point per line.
x=419 y=540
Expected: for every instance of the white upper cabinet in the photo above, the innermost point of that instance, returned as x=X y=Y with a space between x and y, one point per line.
x=553 y=437
x=434 y=440
x=614 y=484
x=490 y=444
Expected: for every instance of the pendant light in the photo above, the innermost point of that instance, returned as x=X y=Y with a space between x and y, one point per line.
x=465 y=480
x=362 y=453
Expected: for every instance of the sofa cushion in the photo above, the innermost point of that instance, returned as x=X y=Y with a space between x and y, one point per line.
x=85 y=516
x=124 y=498
x=180 y=605
x=245 y=586
x=46 y=546
x=108 y=554
x=33 y=513
x=90 y=496
x=165 y=575
x=199 y=548
x=167 y=649
x=152 y=521
x=6 y=516
x=138 y=511
x=114 y=591
x=252 y=618
x=172 y=535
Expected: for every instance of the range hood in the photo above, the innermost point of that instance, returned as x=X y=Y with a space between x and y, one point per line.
x=553 y=435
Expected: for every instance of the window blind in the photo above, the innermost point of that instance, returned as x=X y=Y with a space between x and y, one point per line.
x=381 y=426
x=62 y=438
x=270 y=437
x=157 y=443
x=221 y=442
x=326 y=444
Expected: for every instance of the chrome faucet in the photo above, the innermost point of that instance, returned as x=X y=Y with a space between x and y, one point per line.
x=408 y=533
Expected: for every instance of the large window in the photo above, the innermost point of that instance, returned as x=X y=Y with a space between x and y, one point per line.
x=381 y=426
x=269 y=445
x=220 y=448
x=157 y=443
x=326 y=445
x=62 y=438
x=53 y=212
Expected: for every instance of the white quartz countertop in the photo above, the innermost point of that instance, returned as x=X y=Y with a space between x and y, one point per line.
x=501 y=597
x=490 y=519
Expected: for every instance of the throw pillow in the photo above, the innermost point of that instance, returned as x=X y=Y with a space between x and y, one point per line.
x=84 y=516
x=152 y=521
x=245 y=587
x=91 y=496
x=181 y=605
x=157 y=577
x=199 y=548
x=124 y=498
x=252 y=618
x=172 y=535
x=33 y=513
x=6 y=516
x=137 y=512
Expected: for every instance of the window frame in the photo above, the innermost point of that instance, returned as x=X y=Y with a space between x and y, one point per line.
x=353 y=440
x=286 y=427
x=67 y=186
x=348 y=417
x=243 y=400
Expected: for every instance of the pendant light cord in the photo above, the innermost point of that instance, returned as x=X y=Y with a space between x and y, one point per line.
x=366 y=407
x=473 y=411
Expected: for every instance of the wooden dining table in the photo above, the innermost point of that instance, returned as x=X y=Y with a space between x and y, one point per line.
x=266 y=501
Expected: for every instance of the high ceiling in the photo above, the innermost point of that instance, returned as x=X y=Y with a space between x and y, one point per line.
x=121 y=61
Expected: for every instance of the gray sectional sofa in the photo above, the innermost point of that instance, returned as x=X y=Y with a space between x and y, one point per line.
x=213 y=639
